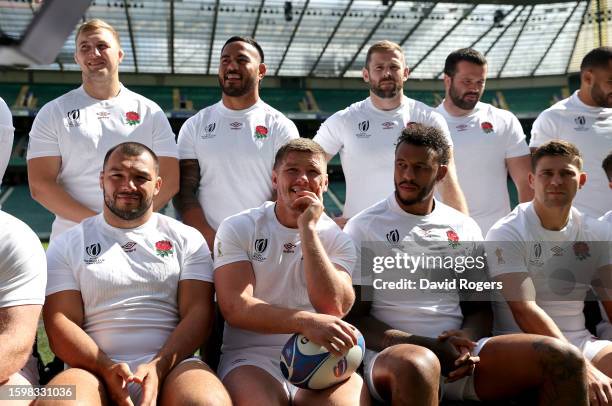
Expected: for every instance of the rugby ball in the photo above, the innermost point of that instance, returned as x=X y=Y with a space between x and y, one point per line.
x=310 y=366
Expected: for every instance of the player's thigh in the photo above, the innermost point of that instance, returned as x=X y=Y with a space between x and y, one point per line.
x=603 y=360
x=192 y=382
x=15 y=379
x=511 y=364
x=89 y=389
x=351 y=392
x=250 y=385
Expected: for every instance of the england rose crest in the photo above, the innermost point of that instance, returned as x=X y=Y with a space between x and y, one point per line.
x=261 y=132
x=164 y=248
x=453 y=238
x=132 y=118
x=581 y=250
x=487 y=127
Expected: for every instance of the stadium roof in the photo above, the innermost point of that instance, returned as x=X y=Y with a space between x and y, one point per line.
x=329 y=38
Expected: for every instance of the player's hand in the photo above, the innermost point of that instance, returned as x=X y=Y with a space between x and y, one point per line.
x=331 y=332
x=147 y=376
x=454 y=353
x=116 y=378
x=466 y=363
x=310 y=206
x=341 y=221
x=599 y=386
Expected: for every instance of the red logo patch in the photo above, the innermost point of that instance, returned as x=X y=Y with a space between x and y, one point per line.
x=487 y=127
x=132 y=117
x=261 y=132
x=164 y=248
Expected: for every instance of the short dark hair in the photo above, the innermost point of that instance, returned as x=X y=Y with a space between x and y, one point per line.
x=248 y=40
x=607 y=166
x=597 y=58
x=305 y=145
x=557 y=148
x=132 y=149
x=426 y=136
x=464 y=54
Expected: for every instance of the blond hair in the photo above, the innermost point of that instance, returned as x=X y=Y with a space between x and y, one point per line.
x=97 y=24
x=384 y=46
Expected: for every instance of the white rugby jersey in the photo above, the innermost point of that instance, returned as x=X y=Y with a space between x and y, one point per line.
x=365 y=137
x=23 y=268
x=386 y=222
x=275 y=252
x=590 y=129
x=128 y=279
x=519 y=243
x=235 y=150
x=483 y=140
x=81 y=129
x=6 y=137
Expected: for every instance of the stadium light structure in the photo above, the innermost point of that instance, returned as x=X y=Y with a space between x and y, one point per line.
x=45 y=35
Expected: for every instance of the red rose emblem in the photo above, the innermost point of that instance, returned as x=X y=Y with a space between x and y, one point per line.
x=452 y=236
x=164 y=248
x=261 y=132
x=132 y=117
x=487 y=127
x=581 y=250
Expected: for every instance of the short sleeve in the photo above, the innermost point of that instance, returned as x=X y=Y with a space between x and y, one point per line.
x=60 y=267
x=23 y=269
x=330 y=133
x=44 y=134
x=186 y=145
x=353 y=230
x=287 y=131
x=505 y=253
x=516 y=145
x=342 y=252
x=543 y=130
x=229 y=246
x=197 y=261
x=164 y=142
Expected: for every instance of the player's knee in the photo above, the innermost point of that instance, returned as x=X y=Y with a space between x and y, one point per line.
x=414 y=363
x=558 y=356
x=202 y=398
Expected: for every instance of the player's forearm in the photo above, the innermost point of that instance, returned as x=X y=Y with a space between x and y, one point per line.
x=14 y=353
x=451 y=192
x=167 y=192
x=75 y=347
x=329 y=290
x=194 y=216
x=55 y=199
x=533 y=320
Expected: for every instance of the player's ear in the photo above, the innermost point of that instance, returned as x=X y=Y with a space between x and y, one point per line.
x=101 y=179
x=325 y=184
x=531 y=180
x=406 y=73
x=274 y=179
x=366 y=75
x=121 y=54
x=447 y=82
x=582 y=180
x=262 y=70
x=158 y=185
x=442 y=171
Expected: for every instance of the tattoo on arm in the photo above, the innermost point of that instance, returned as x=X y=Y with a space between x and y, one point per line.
x=187 y=197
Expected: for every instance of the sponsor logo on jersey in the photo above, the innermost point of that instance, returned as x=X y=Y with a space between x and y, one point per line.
x=129 y=246
x=259 y=248
x=453 y=238
x=236 y=125
x=102 y=115
x=388 y=125
x=209 y=131
x=557 y=251
x=93 y=251
x=132 y=118
x=74 y=118
x=536 y=255
x=261 y=132
x=581 y=250
x=289 y=248
x=462 y=127
x=487 y=127
x=393 y=238
x=164 y=248
x=363 y=127
x=581 y=123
